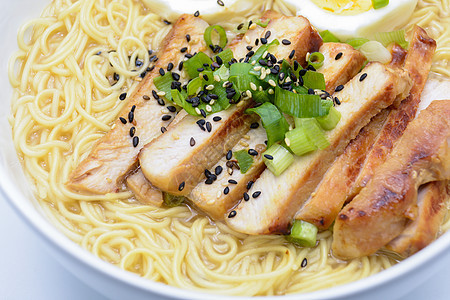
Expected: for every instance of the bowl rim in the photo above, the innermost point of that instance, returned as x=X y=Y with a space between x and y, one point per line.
x=41 y=225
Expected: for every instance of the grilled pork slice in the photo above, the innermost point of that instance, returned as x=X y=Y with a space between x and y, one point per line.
x=380 y=211
x=212 y=198
x=143 y=190
x=420 y=232
x=217 y=197
x=171 y=164
x=421 y=50
x=327 y=200
x=377 y=139
x=115 y=154
x=280 y=197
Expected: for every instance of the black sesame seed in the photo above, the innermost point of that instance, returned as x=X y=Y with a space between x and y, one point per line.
x=192 y=142
x=132 y=131
x=263 y=41
x=203 y=113
x=181 y=186
x=311 y=91
x=304 y=262
x=135 y=141
x=311 y=68
x=291 y=55
x=249 y=48
x=205 y=77
x=188 y=55
x=232 y=214
x=229 y=155
x=246 y=197
x=338 y=56
x=226 y=190
x=254 y=125
x=217 y=119
x=256 y=42
x=240 y=26
x=161 y=71
x=175 y=76
x=133 y=108
x=218 y=170
x=208 y=125
x=170 y=66
x=337 y=101
x=166 y=117
x=180 y=65
x=232 y=181
x=145 y=97
x=161 y=101
x=252 y=152
x=155 y=94
x=116 y=76
x=220 y=2
x=363 y=76
x=98 y=53
x=153 y=58
x=123 y=120
x=184 y=49
x=209 y=181
x=163 y=129
x=172 y=108
x=268 y=156
x=197 y=13
x=267 y=35
x=339 y=88
x=256 y=194
x=130 y=117
x=250 y=184
x=286 y=42
x=201 y=122
x=122 y=96
x=167 y=22
x=302 y=72
x=188 y=38
x=207 y=173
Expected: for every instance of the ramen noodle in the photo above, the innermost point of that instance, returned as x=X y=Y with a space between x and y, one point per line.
x=71 y=67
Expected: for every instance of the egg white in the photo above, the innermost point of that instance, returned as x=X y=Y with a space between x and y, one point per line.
x=365 y=24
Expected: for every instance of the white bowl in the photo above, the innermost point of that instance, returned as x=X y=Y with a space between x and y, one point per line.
x=118 y=284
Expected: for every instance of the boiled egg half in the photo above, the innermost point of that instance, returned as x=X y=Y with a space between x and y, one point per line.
x=212 y=11
x=348 y=19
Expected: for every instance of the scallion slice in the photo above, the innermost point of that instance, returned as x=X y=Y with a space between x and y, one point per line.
x=171 y=200
x=375 y=51
x=226 y=56
x=163 y=84
x=299 y=142
x=299 y=105
x=194 y=86
x=316 y=59
x=272 y=120
x=328 y=37
x=379 y=3
x=303 y=234
x=313 y=130
x=222 y=35
x=387 y=38
x=244 y=159
x=314 y=80
x=357 y=42
x=329 y=121
x=280 y=160
x=196 y=63
x=261 y=23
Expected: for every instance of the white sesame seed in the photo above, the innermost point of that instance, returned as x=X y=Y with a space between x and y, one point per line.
x=247 y=39
x=307 y=56
x=253 y=62
x=268 y=71
x=294 y=91
x=113 y=126
x=164 y=110
x=230 y=171
x=197 y=110
x=271 y=91
x=263 y=75
x=212 y=102
x=249 y=93
x=211 y=202
x=217 y=78
x=272 y=83
x=161 y=93
x=138 y=78
x=287 y=141
x=260 y=88
x=253 y=26
x=210 y=87
x=208 y=108
x=265 y=54
x=246 y=136
x=243 y=144
x=225 y=83
x=219 y=193
x=257 y=68
x=253 y=86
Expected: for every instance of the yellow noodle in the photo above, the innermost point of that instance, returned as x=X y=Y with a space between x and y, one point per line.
x=65 y=99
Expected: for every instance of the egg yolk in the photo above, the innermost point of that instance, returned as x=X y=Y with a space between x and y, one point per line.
x=344 y=7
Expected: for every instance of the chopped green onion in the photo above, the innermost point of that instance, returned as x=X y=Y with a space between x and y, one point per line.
x=262 y=49
x=193 y=64
x=226 y=56
x=299 y=105
x=171 y=200
x=379 y=3
x=299 y=142
x=303 y=233
x=357 y=42
x=329 y=121
x=272 y=120
x=223 y=40
x=244 y=159
x=313 y=130
x=328 y=37
x=223 y=73
x=375 y=51
x=387 y=38
x=194 y=86
x=240 y=76
x=316 y=59
x=280 y=160
x=261 y=23
x=314 y=80
x=164 y=83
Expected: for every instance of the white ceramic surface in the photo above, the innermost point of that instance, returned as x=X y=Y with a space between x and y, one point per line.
x=117 y=284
